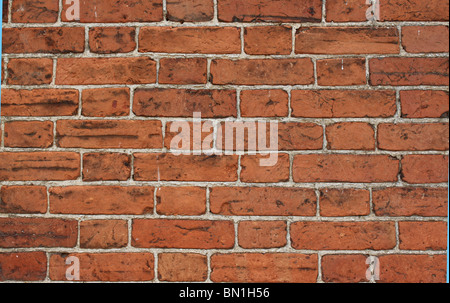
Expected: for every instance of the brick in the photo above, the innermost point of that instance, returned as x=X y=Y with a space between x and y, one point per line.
x=425 y=39
x=268 y=40
x=176 y=136
x=413 y=269
x=103 y=234
x=182 y=71
x=423 y=235
x=106 y=102
x=23 y=266
x=300 y=136
x=264 y=103
x=190 y=10
x=96 y=71
x=184 y=102
x=39 y=102
x=173 y=267
x=336 y=202
x=260 y=201
x=168 y=167
x=425 y=169
x=34 y=11
x=27 y=134
x=410 y=136
x=23 y=199
x=181 y=201
x=409 y=71
x=252 y=171
x=263 y=11
x=37 y=232
x=39 y=166
x=5 y=11
x=424 y=104
x=261 y=234
x=106 y=167
x=109 y=267
x=412 y=201
x=186 y=234
x=343 y=103
x=190 y=40
x=347 y=40
x=109 y=134
x=102 y=200
x=351 y=136
x=107 y=40
x=343 y=235
x=262 y=71
x=344 y=268
x=346 y=10
x=264 y=268
x=30 y=71
x=341 y=72
x=105 y=11
x=43 y=40
x=345 y=168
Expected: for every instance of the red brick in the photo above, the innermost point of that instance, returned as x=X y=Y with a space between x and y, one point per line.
x=30 y=71
x=39 y=102
x=106 y=167
x=343 y=103
x=23 y=266
x=264 y=103
x=173 y=267
x=252 y=171
x=262 y=71
x=413 y=201
x=107 y=40
x=347 y=40
x=425 y=39
x=190 y=10
x=423 y=235
x=345 y=168
x=34 y=11
x=425 y=169
x=39 y=166
x=23 y=199
x=263 y=11
x=109 y=267
x=341 y=72
x=343 y=235
x=103 y=234
x=427 y=136
x=5 y=11
x=176 y=136
x=109 y=134
x=85 y=71
x=409 y=71
x=300 y=136
x=168 y=167
x=102 y=200
x=413 y=269
x=264 y=268
x=262 y=234
x=43 y=40
x=106 y=102
x=181 y=201
x=260 y=201
x=28 y=134
x=105 y=11
x=190 y=40
x=184 y=102
x=182 y=71
x=38 y=232
x=344 y=268
x=346 y=10
x=344 y=202
x=188 y=234
x=424 y=104
x=351 y=135
x=268 y=40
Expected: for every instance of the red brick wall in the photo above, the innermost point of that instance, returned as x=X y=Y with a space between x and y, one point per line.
x=85 y=162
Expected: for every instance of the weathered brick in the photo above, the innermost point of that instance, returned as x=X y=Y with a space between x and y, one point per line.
x=182 y=71
x=264 y=103
x=34 y=11
x=268 y=40
x=252 y=171
x=176 y=267
x=336 y=202
x=424 y=104
x=103 y=234
x=425 y=169
x=262 y=234
x=423 y=235
x=351 y=135
x=341 y=72
x=23 y=199
x=30 y=71
x=425 y=39
x=181 y=201
x=106 y=102
x=107 y=40
x=23 y=266
x=190 y=10
x=344 y=268
x=27 y=134
x=106 y=167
